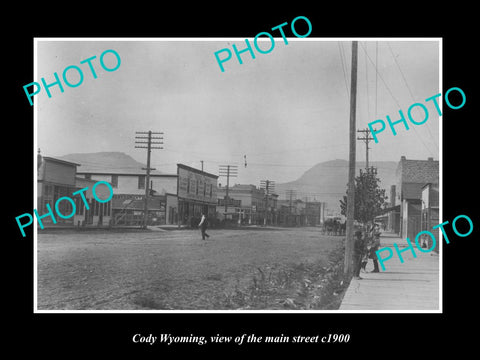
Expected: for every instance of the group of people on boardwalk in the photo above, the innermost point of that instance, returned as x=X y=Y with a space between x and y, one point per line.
x=365 y=248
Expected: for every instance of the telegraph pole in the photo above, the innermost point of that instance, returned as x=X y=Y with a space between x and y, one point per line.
x=227 y=171
x=157 y=140
x=267 y=185
x=290 y=194
x=351 y=168
x=367 y=139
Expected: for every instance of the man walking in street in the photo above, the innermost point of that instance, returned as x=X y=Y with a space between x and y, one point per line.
x=203 y=226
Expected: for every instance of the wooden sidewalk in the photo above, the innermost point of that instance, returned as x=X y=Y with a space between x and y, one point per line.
x=409 y=286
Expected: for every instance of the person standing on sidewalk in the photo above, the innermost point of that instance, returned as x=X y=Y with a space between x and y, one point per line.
x=373 y=251
x=358 y=253
x=203 y=226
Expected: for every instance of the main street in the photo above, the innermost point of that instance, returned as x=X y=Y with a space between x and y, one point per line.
x=175 y=269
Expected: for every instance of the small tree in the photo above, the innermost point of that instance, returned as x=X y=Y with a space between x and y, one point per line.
x=369 y=198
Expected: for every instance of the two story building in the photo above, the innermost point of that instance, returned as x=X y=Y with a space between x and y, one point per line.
x=57 y=178
x=196 y=194
x=430 y=212
x=128 y=202
x=412 y=176
x=247 y=204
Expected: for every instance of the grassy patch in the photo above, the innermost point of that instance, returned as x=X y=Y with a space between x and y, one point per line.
x=296 y=286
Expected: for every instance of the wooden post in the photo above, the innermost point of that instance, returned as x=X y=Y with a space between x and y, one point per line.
x=226 y=192
x=147 y=182
x=351 y=168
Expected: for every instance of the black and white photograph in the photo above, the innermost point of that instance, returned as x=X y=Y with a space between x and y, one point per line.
x=240 y=182
x=221 y=184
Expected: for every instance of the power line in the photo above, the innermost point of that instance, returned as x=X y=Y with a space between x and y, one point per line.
x=376 y=76
x=367 y=138
x=381 y=78
x=152 y=143
x=258 y=154
x=396 y=101
x=410 y=91
x=102 y=166
x=366 y=83
x=309 y=193
x=290 y=193
x=269 y=187
x=228 y=171
x=340 y=48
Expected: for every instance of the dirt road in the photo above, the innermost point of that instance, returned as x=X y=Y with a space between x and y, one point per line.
x=164 y=270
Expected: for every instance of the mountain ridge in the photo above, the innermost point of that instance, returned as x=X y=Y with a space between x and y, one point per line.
x=107 y=161
x=327 y=181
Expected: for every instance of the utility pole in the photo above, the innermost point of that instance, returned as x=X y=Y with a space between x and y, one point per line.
x=202 y=164
x=351 y=168
x=308 y=210
x=228 y=171
x=267 y=185
x=290 y=194
x=367 y=139
x=140 y=140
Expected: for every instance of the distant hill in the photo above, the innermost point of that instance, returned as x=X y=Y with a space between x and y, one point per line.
x=327 y=181
x=110 y=162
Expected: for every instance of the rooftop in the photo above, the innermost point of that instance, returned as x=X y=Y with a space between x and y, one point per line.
x=418 y=171
x=50 y=158
x=121 y=171
x=189 y=168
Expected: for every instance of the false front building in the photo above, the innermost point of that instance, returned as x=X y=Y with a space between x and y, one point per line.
x=56 y=179
x=196 y=194
x=412 y=176
x=246 y=204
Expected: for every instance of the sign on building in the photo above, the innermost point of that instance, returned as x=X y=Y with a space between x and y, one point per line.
x=194 y=184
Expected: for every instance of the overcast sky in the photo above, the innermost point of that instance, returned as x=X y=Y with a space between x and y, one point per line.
x=286 y=111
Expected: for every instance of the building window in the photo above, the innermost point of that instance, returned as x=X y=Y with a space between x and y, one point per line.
x=48 y=190
x=95 y=209
x=188 y=186
x=210 y=190
x=88 y=176
x=114 y=181
x=204 y=189
x=80 y=206
x=141 y=181
x=45 y=202
x=65 y=208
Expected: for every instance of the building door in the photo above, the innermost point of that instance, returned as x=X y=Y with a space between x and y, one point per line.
x=89 y=213
x=100 y=214
x=414 y=226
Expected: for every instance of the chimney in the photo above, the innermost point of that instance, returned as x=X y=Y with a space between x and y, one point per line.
x=392 y=195
x=403 y=158
x=39 y=159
